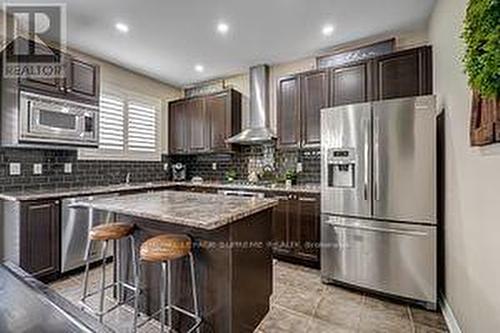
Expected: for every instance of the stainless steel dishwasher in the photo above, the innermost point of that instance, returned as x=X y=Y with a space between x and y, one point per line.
x=75 y=229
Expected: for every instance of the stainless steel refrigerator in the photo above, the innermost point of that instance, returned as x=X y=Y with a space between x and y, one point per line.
x=378 y=197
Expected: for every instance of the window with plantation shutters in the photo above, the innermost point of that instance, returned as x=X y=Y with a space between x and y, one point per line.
x=111 y=123
x=142 y=127
x=128 y=127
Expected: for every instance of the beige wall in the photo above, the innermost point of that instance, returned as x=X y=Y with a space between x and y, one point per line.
x=472 y=213
x=240 y=82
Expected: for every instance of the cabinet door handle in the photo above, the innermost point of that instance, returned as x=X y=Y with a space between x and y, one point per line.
x=307 y=199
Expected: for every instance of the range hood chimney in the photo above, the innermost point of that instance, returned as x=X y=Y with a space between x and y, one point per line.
x=259 y=131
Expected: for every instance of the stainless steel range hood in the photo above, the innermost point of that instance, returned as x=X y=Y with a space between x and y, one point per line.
x=259 y=131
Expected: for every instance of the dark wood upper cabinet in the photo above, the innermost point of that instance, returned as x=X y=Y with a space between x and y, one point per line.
x=82 y=80
x=217 y=111
x=50 y=85
x=224 y=112
x=314 y=97
x=178 y=129
x=288 y=98
x=40 y=238
x=403 y=74
x=204 y=123
x=351 y=84
x=196 y=118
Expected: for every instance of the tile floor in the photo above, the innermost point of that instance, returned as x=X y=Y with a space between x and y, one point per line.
x=300 y=303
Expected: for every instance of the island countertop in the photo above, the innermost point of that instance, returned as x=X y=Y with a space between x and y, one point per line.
x=198 y=210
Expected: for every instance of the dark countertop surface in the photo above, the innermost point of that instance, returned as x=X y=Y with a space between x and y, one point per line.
x=198 y=210
x=27 y=305
x=56 y=193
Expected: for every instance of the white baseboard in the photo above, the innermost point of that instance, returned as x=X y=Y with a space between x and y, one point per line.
x=448 y=315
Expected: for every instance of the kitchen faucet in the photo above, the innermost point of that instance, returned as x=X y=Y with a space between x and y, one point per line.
x=127 y=178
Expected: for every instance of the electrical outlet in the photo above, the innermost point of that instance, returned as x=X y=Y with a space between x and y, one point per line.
x=37 y=168
x=14 y=169
x=214 y=166
x=299 y=167
x=165 y=166
x=68 y=168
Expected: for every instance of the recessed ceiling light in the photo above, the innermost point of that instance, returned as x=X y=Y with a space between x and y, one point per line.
x=121 y=27
x=199 y=68
x=222 y=28
x=327 y=30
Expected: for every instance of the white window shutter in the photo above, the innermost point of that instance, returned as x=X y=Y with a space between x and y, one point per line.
x=142 y=127
x=111 y=123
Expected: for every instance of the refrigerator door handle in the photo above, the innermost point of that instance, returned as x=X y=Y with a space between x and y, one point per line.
x=407 y=232
x=376 y=158
x=366 y=158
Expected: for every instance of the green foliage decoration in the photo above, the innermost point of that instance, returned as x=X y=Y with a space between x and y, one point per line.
x=482 y=38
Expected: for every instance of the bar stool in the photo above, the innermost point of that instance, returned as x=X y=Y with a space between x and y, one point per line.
x=164 y=249
x=105 y=233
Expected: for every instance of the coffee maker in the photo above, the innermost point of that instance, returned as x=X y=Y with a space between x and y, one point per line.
x=178 y=172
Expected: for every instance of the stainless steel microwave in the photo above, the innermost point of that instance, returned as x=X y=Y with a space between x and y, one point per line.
x=49 y=120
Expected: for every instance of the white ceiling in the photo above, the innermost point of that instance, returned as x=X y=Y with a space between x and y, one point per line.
x=168 y=37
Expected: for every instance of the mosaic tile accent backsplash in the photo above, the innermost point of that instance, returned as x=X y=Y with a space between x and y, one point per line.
x=84 y=172
x=253 y=158
x=101 y=173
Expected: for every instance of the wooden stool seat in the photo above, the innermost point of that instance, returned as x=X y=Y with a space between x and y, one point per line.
x=111 y=231
x=165 y=247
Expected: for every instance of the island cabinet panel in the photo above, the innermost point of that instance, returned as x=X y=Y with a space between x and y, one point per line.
x=288 y=97
x=39 y=238
x=296 y=225
x=351 y=84
x=178 y=129
x=204 y=123
x=233 y=272
x=404 y=74
x=314 y=97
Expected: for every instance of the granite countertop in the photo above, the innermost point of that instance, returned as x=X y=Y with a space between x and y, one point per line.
x=55 y=193
x=198 y=210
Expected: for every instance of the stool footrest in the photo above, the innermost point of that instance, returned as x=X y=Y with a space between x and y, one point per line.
x=113 y=284
x=179 y=309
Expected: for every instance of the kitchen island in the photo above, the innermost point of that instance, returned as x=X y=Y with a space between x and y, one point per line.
x=232 y=255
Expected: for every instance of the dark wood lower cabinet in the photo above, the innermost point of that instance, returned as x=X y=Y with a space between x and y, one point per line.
x=40 y=238
x=296 y=223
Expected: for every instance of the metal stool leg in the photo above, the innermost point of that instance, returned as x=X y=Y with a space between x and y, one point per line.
x=169 y=294
x=87 y=268
x=193 y=287
x=103 y=281
x=137 y=271
x=162 y=295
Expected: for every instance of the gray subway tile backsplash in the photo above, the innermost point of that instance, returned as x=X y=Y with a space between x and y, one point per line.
x=101 y=173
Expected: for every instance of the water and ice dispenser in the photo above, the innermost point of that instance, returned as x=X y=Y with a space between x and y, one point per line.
x=341 y=167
